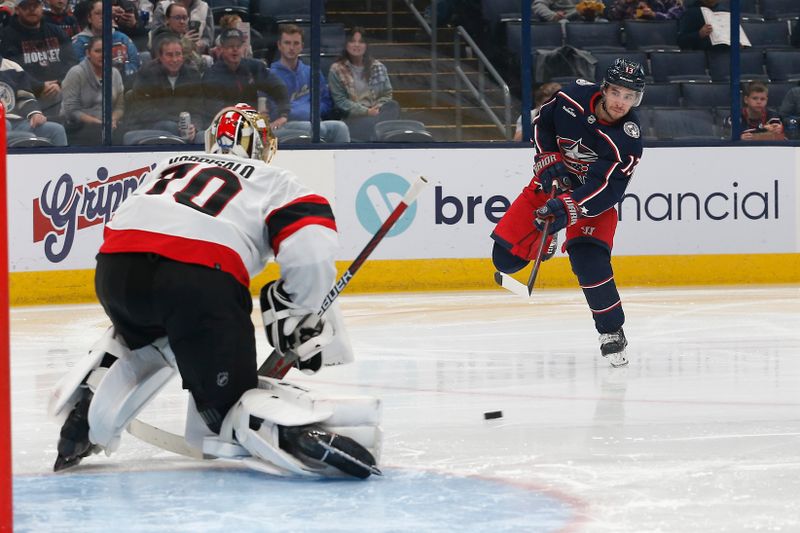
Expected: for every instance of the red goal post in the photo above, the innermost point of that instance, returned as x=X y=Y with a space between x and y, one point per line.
x=6 y=509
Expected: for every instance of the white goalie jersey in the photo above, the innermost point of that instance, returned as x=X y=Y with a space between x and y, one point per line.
x=231 y=214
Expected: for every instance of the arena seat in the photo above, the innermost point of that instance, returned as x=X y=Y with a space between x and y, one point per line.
x=402 y=131
x=651 y=35
x=767 y=34
x=678 y=123
x=599 y=36
x=662 y=94
x=705 y=94
x=673 y=67
x=751 y=65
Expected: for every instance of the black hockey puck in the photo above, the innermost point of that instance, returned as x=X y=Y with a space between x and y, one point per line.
x=489 y=415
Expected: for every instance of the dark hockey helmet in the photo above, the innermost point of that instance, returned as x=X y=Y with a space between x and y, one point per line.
x=242 y=131
x=628 y=74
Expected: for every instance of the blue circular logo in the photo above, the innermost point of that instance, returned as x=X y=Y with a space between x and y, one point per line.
x=378 y=197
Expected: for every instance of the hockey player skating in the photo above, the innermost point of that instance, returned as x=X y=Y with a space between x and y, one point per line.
x=173 y=274
x=588 y=143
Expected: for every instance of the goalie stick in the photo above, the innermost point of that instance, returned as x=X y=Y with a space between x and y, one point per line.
x=277 y=366
x=509 y=283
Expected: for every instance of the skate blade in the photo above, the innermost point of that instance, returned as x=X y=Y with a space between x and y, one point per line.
x=617 y=359
x=63 y=463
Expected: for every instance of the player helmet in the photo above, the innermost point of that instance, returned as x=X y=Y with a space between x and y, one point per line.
x=628 y=74
x=242 y=131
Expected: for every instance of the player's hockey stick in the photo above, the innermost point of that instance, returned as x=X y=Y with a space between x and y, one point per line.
x=509 y=283
x=276 y=366
x=161 y=438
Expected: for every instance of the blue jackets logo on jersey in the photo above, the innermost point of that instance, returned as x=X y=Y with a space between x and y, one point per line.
x=577 y=156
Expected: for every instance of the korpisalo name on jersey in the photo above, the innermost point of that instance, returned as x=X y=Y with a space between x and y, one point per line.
x=244 y=170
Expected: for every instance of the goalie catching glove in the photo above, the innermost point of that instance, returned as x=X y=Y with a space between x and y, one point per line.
x=291 y=328
x=549 y=167
x=561 y=211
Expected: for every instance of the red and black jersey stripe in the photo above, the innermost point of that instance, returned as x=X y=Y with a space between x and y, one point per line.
x=302 y=212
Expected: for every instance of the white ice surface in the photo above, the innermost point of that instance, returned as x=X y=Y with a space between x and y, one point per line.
x=700 y=433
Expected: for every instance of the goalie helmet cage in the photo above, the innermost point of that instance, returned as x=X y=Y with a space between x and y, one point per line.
x=6 y=510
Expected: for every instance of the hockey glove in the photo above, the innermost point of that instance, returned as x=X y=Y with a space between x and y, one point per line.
x=290 y=327
x=561 y=211
x=549 y=166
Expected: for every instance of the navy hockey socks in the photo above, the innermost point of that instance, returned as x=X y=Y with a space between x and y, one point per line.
x=592 y=265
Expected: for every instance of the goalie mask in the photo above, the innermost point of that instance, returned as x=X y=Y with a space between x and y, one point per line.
x=628 y=74
x=242 y=131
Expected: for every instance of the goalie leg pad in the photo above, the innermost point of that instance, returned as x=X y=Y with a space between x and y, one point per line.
x=125 y=389
x=67 y=391
x=259 y=420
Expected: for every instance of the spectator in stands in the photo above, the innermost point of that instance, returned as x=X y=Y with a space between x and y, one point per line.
x=693 y=31
x=6 y=12
x=124 y=53
x=42 y=50
x=759 y=123
x=234 y=79
x=127 y=19
x=201 y=20
x=83 y=97
x=60 y=14
x=361 y=89
x=177 y=23
x=296 y=75
x=790 y=113
x=554 y=10
x=229 y=22
x=23 y=115
x=645 y=9
x=790 y=106
x=544 y=93
x=163 y=89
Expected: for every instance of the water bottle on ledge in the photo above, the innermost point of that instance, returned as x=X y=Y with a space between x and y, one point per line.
x=184 y=121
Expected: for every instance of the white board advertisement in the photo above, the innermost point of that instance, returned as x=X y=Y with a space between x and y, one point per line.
x=680 y=201
x=704 y=200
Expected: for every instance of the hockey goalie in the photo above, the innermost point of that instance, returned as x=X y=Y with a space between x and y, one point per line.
x=173 y=276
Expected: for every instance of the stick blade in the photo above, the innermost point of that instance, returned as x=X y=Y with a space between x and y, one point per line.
x=512 y=285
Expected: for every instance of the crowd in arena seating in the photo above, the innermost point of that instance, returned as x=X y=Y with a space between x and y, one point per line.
x=683 y=59
x=178 y=57
x=171 y=59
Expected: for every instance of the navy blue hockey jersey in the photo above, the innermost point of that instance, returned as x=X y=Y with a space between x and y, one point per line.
x=601 y=156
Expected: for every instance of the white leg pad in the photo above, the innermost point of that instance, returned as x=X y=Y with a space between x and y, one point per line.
x=279 y=403
x=65 y=394
x=125 y=390
x=262 y=443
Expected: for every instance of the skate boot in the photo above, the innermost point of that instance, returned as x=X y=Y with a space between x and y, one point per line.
x=74 y=444
x=552 y=248
x=335 y=450
x=612 y=346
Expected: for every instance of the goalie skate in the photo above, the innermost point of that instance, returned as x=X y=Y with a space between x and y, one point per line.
x=73 y=442
x=612 y=346
x=342 y=453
